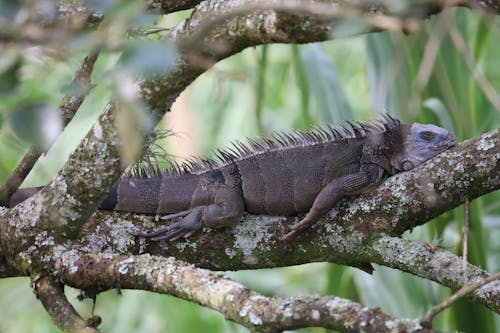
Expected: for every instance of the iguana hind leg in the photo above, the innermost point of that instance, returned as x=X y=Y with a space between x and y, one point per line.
x=330 y=195
x=226 y=209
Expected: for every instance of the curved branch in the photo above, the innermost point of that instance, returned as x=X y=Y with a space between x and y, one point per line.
x=51 y=294
x=234 y=301
x=218 y=29
x=435 y=264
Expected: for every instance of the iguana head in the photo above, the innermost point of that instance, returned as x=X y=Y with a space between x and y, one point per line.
x=420 y=143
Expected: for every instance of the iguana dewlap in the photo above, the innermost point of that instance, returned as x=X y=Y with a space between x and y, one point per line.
x=287 y=174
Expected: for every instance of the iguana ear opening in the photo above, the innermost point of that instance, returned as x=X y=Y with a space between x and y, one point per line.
x=406 y=165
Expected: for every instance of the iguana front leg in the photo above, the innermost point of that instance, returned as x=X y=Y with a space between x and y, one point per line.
x=226 y=210
x=369 y=176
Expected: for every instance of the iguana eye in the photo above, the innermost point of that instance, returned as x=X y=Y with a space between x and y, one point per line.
x=427 y=135
x=407 y=165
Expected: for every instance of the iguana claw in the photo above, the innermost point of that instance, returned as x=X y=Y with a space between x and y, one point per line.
x=185 y=227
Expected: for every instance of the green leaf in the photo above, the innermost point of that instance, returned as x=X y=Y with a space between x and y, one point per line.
x=439 y=109
x=148 y=56
x=303 y=87
x=387 y=74
x=9 y=8
x=10 y=63
x=37 y=123
x=482 y=34
x=260 y=87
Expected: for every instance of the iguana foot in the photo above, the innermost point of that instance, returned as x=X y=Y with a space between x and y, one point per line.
x=185 y=227
x=297 y=229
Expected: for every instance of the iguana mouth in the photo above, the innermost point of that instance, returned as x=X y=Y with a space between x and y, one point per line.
x=448 y=143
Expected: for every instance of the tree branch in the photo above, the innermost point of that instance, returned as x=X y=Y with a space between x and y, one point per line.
x=218 y=29
x=466 y=289
x=51 y=294
x=435 y=264
x=353 y=235
x=214 y=290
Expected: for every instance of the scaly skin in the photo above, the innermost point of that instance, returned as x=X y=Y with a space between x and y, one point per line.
x=287 y=174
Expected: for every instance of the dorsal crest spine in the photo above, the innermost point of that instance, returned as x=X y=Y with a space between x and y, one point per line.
x=277 y=141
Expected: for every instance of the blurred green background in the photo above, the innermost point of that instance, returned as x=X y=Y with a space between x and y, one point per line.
x=442 y=75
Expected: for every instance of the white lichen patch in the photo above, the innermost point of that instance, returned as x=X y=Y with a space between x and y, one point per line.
x=244 y=310
x=485 y=291
x=459 y=167
x=69 y=260
x=340 y=242
x=249 y=234
x=315 y=314
x=337 y=304
x=43 y=239
x=255 y=298
x=254 y=319
x=483 y=166
x=97 y=131
x=487 y=142
x=229 y=252
x=288 y=312
x=124 y=265
x=64 y=201
x=412 y=325
x=28 y=212
x=184 y=243
x=356 y=206
x=428 y=193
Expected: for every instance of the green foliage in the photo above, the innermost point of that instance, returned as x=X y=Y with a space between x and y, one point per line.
x=278 y=87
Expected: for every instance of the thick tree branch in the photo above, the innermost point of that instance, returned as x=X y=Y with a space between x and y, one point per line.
x=234 y=301
x=51 y=294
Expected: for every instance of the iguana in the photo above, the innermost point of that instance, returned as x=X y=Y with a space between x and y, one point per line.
x=286 y=174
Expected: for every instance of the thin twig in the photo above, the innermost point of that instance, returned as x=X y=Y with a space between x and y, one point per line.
x=466 y=289
x=20 y=172
x=81 y=86
x=465 y=236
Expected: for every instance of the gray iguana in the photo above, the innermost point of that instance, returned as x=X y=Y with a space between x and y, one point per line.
x=286 y=174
